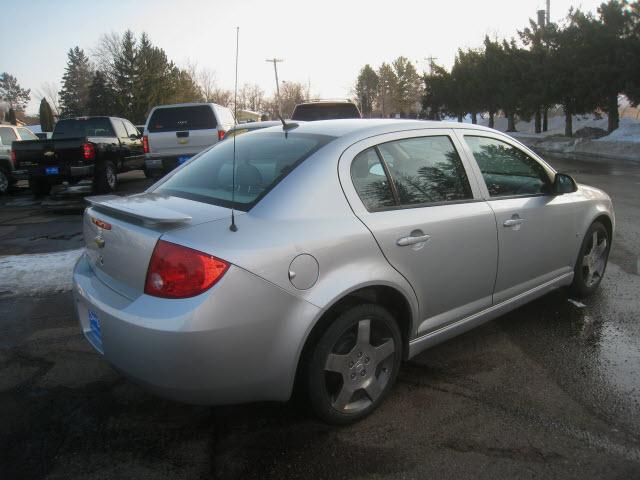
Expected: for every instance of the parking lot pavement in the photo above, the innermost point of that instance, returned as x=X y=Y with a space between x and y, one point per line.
x=550 y=390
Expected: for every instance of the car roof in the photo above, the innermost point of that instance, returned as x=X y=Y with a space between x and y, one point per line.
x=368 y=127
x=192 y=104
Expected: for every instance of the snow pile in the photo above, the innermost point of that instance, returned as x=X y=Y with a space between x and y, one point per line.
x=628 y=131
x=37 y=274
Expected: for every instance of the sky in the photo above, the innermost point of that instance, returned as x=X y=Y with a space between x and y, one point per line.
x=324 y=43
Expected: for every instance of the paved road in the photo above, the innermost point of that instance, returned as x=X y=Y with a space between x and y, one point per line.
x=549 y=391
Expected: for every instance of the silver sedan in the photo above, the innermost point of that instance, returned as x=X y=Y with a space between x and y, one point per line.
x=353 y=245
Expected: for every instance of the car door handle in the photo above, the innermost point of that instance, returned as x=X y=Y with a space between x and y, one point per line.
x=513 y=222
x=411 y=240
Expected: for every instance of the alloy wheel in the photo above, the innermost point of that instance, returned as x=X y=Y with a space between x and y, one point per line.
x=359 y=366
x=594 y=260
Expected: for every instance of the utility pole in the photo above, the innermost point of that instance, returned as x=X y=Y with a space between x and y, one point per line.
x=548 y=12
x=275 y=62
x=431 y=59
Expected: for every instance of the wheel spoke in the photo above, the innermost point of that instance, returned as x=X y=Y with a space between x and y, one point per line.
x=383 y=351
x=373 y=390
x=594 y=241
x=343 y=398
x=364 y=332
x=337 y=363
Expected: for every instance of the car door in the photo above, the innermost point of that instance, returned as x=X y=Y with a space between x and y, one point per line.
x=421 y=202
x=126 y=153
x=536 y=229
x=136 y=158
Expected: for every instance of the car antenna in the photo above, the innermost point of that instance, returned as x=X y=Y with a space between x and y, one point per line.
x=285 y=126
x=233 y=227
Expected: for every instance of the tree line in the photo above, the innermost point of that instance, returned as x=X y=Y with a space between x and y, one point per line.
x=581 y=64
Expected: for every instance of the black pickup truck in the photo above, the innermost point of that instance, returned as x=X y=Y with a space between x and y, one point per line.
x=80 y=148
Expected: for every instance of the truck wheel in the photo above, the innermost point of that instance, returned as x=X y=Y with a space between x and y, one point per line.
x=4 y=182
x=354 y=364
x=106 y=178
x=148 y=173
x=39 y=187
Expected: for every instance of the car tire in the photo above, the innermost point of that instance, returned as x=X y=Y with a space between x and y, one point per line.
x=354 y=364
x=592 y=260
x=148 y=173
x=4 y=182
x=106 y=178
x=39 y=187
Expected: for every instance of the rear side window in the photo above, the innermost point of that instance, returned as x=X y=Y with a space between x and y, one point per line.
x=225 y=115
x=83 y=127
x=131 y=130
x=121 y=132
x=27 y=134
x=7 y=135
x=426 y=170
x=371 y=181
x=508 y=171
x=171 y=119
x=262 y=160
x=325 y=111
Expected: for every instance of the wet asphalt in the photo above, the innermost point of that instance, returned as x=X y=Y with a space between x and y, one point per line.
x=551 y=390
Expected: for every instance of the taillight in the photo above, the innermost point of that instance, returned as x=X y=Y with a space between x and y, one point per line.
x=88 y=151
x=180 y=272
x=14 y=159
x=221 y=134
x=145 y=143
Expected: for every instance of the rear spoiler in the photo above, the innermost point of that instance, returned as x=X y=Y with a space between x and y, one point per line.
x=131 y=207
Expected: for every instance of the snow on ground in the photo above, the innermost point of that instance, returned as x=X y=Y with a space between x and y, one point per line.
x=629 y=131
x=37 y=274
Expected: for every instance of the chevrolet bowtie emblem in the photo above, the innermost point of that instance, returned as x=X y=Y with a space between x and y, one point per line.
x=182 y=141
x=99 y=241
x=49 y=153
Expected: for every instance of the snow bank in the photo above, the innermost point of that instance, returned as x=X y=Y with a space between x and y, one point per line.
x=629 y=131
x=37 y=274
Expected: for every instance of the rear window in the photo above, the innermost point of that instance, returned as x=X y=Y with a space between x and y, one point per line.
x=325 y=111
x=262 y=160
x=83 y=127
x=7 y=135
x=196 y=117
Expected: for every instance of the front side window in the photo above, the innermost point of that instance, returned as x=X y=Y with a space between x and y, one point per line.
x=426 y=170
x=370 y=181
x=261 y=161
x=7 y=135
x=508 y=171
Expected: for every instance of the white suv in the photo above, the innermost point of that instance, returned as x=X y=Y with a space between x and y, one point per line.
x=175 y=133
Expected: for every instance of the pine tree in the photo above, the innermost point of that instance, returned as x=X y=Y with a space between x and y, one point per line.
x=12 y=93
x=124 y=75
x=74 y=95
x=408 y=87
x=386 y=90
x=101 y=96
x=367 y=89
x=46 y=116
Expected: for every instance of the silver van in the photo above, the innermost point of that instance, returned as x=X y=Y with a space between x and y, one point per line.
x=175 y=133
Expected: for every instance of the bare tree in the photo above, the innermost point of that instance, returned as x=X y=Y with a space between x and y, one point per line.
x=251 y=97
x=49 y=90
x=207 y=83
x=107 y=49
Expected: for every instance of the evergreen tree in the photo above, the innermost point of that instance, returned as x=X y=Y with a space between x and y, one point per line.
x=367 y=89
x=10 y=116
x=12 y=93
x=101 y=96
x=408 y=88
x=387 y=85
x=74 y=95
x=124 y=75
x=46 y=116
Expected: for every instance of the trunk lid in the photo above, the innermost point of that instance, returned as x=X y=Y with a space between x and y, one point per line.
x=120 y=233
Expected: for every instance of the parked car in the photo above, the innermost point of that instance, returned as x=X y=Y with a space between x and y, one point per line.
x=356 y=244
x=175 y=133
x=8 y=135
x=80 y=148
x=325 y=110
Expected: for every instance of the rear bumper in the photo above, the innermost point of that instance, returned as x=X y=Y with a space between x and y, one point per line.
x=65 y=172
x=221 y=347
x=164 y=163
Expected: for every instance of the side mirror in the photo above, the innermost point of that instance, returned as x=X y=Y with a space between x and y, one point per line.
x=564 y=183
